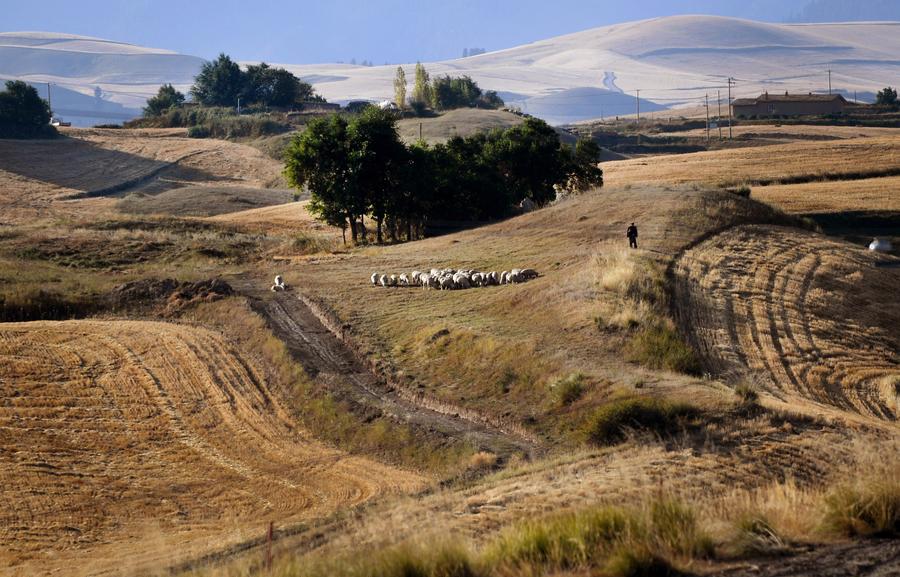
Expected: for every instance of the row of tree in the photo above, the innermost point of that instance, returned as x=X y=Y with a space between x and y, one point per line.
x=360 y=167
x=442 y=92
x=222 y=82
x=23 y=113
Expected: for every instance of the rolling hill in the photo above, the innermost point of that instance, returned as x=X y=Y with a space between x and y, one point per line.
x=673 y=61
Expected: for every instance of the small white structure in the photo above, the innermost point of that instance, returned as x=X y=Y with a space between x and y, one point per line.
x=880 y=245
x=388 y=105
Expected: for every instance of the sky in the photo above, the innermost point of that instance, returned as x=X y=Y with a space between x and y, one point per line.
x=380 y=31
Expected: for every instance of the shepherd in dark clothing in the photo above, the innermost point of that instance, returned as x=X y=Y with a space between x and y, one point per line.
x=632 y=236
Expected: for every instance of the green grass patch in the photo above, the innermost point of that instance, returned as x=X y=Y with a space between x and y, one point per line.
x=611 y=422
x=660 y=347
x=568 y=389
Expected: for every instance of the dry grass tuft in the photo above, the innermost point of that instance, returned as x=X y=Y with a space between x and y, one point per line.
x=482 y=460
x=866 y=507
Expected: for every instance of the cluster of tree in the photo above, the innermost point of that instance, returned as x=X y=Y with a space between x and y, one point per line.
x=23 y=113
x=360 y=167
x=221 y=82
x=887 y=97
x=473 y=52
x=442 y=92
x=363 y=63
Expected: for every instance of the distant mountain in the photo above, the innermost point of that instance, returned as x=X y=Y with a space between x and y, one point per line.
x=673 y=61
x=844 y=11
x=93 y=80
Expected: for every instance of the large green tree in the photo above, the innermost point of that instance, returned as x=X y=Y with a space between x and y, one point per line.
x=422 y=88
x=264 y=84
x=23 y=113
x=219 y=82
x=320 y=159
x=886 y=97
x=166 y=97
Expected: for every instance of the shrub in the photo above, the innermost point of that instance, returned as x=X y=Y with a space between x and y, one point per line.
x=612 y=421
x=198 y=132
x=23 y=113
x=871 y=507
x=482 y=460
x=747 y=397
x=660 y=347
x=569 y=389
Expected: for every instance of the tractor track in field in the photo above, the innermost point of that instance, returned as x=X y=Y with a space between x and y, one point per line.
x=803 y=315
x=333 y=364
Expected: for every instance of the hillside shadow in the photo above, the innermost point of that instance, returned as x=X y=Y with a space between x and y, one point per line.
x=87 y=167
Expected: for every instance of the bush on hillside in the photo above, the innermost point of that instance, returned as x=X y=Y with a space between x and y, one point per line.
x=166 y=98
x=23 y=113
x=612 y=421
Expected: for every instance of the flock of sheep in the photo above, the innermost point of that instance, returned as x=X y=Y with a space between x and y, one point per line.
x=452 y=279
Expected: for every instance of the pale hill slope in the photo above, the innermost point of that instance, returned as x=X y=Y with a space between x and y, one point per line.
x=673 y=61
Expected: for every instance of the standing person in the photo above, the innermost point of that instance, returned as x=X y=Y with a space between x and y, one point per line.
x=632 y=234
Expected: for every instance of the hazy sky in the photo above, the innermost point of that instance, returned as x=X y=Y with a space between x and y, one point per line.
x=306 y=31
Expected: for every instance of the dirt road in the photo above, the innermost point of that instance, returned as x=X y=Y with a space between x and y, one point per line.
x=343 y=373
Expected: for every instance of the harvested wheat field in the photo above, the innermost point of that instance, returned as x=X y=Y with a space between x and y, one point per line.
x=118 y=435
x=794 y=162
x=804 y=315
x=870 y=195
x=36 y=176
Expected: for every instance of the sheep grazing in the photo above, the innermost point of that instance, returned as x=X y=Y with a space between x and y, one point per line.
x=279 y=284
x=880 y=245
x=449 y=278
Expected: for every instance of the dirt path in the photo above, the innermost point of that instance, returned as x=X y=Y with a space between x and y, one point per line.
x=332 y=364
x=877 y=558
x=802 y=315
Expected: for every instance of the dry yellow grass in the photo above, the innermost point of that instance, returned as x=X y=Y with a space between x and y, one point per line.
x=459 y=122
x=118 y=432
x=36 y=175
x=811 y=160
x=874 y=195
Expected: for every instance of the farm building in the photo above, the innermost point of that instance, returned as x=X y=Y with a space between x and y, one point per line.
x=789 y=105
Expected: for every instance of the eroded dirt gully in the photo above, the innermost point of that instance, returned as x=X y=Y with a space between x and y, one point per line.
x=804 y=316
x=324 y=348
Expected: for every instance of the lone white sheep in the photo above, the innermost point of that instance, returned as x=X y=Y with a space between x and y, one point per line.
x=279 y=284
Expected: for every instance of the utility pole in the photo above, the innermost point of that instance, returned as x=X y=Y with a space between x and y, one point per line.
x=829 y=81
x=239 y=106
x=639 y=106
x=707 y=119
x=719 y=115
x=49 y=105
x=730 y=108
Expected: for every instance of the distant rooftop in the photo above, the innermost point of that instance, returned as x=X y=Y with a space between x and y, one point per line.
x=766 y=97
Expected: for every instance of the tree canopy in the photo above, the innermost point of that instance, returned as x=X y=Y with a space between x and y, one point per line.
x=222 y=81
x=361 y=168
x=23 y=113
x=167 y=97
x=886 y=97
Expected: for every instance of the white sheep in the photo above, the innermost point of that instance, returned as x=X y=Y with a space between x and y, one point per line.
x=279 y=284
x=447 y=283
x=414 y=278
x=504 y=277
x=404 y=280
x=529 y=273
x=383 y=280
x=461 y=281
x=375 y=277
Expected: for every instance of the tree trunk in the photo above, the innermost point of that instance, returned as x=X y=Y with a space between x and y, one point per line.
x=353 y=231
x=378 y=238
x=409 y=229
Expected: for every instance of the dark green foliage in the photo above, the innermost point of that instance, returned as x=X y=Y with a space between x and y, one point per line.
x=167 y=97
x=612 y=421
x=269 y=86
x=447 y=92
x=219 y=83
x=23 y=113
x=361 y=167
x=887 y=97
